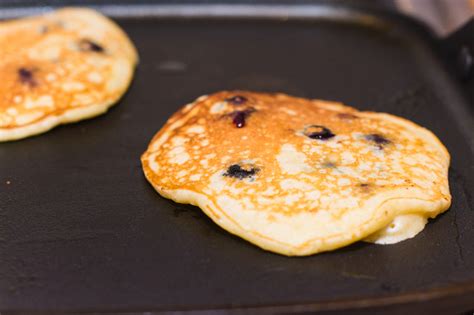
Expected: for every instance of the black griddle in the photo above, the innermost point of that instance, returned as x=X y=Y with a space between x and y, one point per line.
x=81 y=230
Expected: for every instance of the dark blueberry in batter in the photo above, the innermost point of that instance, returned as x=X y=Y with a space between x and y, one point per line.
x=88 y=45
x=26 y=76
x=378 y=139
x=328 y=165
x=237 y=100
x=237 y=171
x=365 y=187
x=238 y=117
x=318 y=132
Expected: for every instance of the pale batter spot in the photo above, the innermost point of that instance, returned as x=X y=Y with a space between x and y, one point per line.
x=154 y=165
x=180 y=159
x=291 y=161
x=295 y=184
x=343 y=182
x=42 y=101
x=72 y=86
x=225 y=159
x=47 y=51
x=179 y=141
x=348 y=158
x=5 y=120
x=50 y=77
x=409 y=160
x=195 y=177
x=217 y=182
x=290 y=199
x=313 y=195
x=27 y=118
x=182 y=173
x=95 y=77
x=12 y=111
x=364 y=166
x=82 y=99
x=196 y=129
x=218 y=107
x=17 y=99
x=288 y=111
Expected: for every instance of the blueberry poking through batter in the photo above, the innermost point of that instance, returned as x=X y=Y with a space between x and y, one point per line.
x=379 y=140
x=88 y=45
x=27 y=77
x=318 y=132
x=237 y=100
x=237 y=171
x=239 y=117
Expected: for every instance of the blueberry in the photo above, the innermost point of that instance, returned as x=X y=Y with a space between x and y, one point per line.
x=377 y=139
x=237 y=171
x=239 y=116
x=88 y=45
x=26 y=76
x=237 y=100
x=239 y=119
x=318 y=132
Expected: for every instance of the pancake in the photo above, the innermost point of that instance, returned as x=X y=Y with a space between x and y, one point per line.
x=297 y=176
x=58 y=68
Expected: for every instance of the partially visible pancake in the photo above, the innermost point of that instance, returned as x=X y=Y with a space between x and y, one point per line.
x=297 y=176
x=61 y=67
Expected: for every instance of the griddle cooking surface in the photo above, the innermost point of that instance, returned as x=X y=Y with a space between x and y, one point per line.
x=81 y=229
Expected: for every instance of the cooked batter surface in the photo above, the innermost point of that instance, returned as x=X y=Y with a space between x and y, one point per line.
x=298 y=176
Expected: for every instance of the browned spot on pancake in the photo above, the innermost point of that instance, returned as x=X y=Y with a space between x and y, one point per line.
x=43 y=29
x=347 y=116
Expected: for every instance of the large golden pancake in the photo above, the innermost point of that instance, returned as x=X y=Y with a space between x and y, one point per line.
x=297 y=176
x=58 y=68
